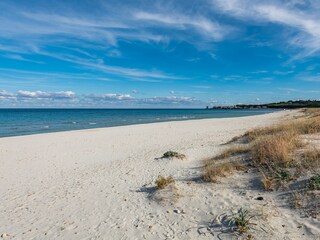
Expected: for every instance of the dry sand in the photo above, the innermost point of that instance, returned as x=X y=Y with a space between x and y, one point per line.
x=99 y=184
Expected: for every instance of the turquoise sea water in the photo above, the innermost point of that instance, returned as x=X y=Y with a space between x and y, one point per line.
x=15 y=122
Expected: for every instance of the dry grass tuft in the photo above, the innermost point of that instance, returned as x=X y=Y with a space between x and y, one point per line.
x=301 y=126
x=265 y=180
x=254 y=134
x=311 y=112
x=233 y=150
x=213 y=170
x=163 y=182
x=307 y=126
x=281 y=157
x=296 y=200
x=311 y=158
x=275 y=150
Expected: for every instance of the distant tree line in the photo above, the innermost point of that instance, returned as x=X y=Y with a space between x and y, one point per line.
x=288 y=104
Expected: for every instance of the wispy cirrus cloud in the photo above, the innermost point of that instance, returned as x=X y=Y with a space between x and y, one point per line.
x=20 y=58
x=309 y=77
x=32 y=33
x=303 y=18
x=283 y=72
x=199 y=24
x=12 y=75
x=110 y=46
x=40 y=27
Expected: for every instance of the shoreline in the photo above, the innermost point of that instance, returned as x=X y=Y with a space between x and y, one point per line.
x=146 y=123
x=99 y=183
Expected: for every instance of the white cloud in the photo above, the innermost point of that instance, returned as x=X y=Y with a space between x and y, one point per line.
x=310 y=78
x=305 y=21
x=31 y=31
x=4 y=95
x=172 y=100
x=283 y=72
x=128 y=99
x=115 y=99
x=114 y=53
x=71 y=99
x=259 y=72
x=98 y=64
x=200 y=24
x=20 y=58
x=113 y=96
x=47 y=95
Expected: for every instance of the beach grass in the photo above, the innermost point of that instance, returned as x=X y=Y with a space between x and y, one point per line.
x=242 y=221
x=311 y=158
x=277 y=151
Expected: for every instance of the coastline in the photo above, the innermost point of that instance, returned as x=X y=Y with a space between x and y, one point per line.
x=96 y=183
x=18 y=122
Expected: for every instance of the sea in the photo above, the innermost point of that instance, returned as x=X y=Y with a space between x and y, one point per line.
x=16 y=122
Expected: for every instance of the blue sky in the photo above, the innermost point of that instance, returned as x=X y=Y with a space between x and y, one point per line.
x=158 y=53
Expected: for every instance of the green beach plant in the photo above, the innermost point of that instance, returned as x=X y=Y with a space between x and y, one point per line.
x=314 y=183
x=172 y=154
x=282 y=175
x=242 y=221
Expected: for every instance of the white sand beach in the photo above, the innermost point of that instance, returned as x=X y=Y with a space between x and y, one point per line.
x=99 y=184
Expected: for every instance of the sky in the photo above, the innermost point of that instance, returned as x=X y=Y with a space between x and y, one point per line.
x=158 y=54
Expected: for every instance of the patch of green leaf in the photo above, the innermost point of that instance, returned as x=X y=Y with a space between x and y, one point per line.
x=314 y=183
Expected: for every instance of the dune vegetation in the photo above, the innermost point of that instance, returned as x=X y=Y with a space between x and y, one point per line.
x=283 y=154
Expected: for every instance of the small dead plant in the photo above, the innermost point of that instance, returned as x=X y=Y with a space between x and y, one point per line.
x=163 y=182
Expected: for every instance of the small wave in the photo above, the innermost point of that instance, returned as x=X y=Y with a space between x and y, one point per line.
x=46 y=126
x=92 y=123
x=70 y=123
x=173 y=118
